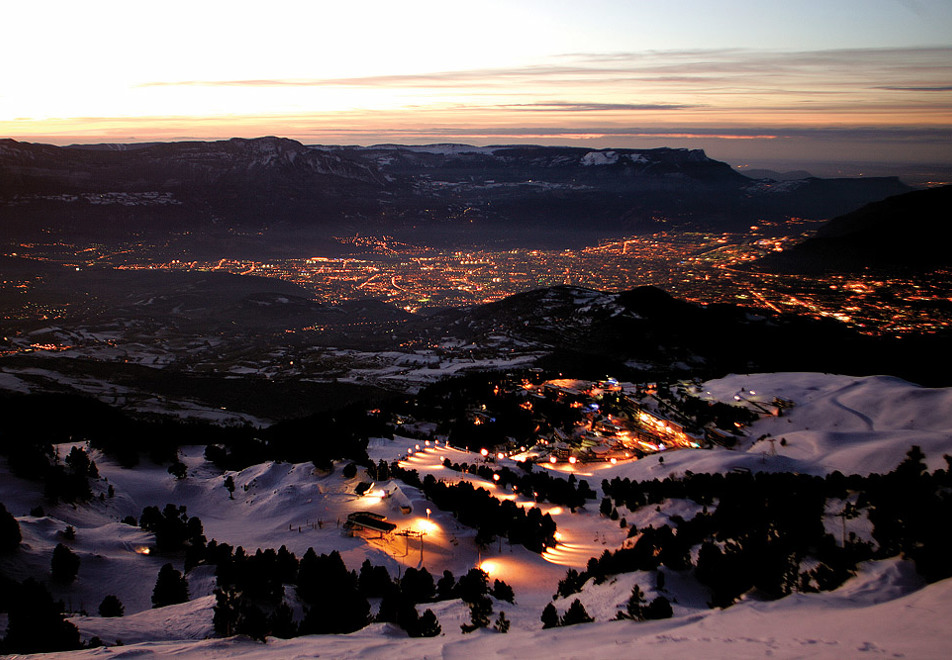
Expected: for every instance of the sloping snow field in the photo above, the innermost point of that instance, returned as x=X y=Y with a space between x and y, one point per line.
x=859 y=425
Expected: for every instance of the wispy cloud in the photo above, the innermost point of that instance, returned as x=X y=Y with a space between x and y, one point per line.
x=900 y=88
x=863 y=87
x=905 y=135
x=591 y=107
x=674 y=67
x=837 y=100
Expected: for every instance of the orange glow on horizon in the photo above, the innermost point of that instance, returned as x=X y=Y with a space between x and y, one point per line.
x=732 y=79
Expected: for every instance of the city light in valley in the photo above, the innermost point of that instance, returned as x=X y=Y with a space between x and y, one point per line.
x=702 y=267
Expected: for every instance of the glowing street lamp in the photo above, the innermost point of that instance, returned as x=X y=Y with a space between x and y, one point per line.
x=484 y=452
x=488 y=566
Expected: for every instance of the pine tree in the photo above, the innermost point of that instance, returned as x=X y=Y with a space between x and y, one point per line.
x=37 y=624
x=576 y=614
x=570 y=584
x=502 y=623
x=550 y=617
x=417 y=585
x=373 y=581
x=659 y=608
x=346 y=612
x=446 y=586
x=913 y=465
x=64 y=565
x=502 y=591
x=111 y=606
x=473 y=585
x=282 y=622
x=390 y=606
x=252 y=622
x=170 y=587
x=78 y=461
x=179 y=470
x=225 y=617
x=480 y=609
x=428 y=625
x=635 y=605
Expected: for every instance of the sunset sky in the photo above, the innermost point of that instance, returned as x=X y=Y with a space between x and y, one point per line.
x=821 y=80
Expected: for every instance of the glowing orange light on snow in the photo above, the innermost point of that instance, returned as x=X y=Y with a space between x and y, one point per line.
x=489 y=566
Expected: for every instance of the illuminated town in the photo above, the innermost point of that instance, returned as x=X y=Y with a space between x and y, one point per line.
x=705 y=268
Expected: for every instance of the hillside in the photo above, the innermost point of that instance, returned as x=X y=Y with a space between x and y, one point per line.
x=854 y=425
x=906 y=232
x=647 y=332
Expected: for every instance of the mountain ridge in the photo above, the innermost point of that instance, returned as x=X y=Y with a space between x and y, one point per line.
x=296 y=195
x=908 y=231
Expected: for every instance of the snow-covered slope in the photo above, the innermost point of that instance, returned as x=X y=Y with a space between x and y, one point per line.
x=855 y=425
x=800 y=626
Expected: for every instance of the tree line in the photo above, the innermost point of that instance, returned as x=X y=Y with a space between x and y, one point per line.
x=766 y=526
x=540 y=486
x=477 y=508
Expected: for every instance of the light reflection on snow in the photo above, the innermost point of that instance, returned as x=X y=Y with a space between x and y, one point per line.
x=490 y=567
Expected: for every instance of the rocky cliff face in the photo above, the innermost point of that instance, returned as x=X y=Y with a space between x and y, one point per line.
x=131 y=168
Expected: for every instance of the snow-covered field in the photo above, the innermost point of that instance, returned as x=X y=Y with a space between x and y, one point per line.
x=859 y=425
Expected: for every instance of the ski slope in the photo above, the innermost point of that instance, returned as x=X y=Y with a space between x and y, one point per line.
x=854 y=425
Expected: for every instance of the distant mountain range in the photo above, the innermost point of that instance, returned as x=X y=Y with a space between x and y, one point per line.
x=910 y=231
x=273 y=193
